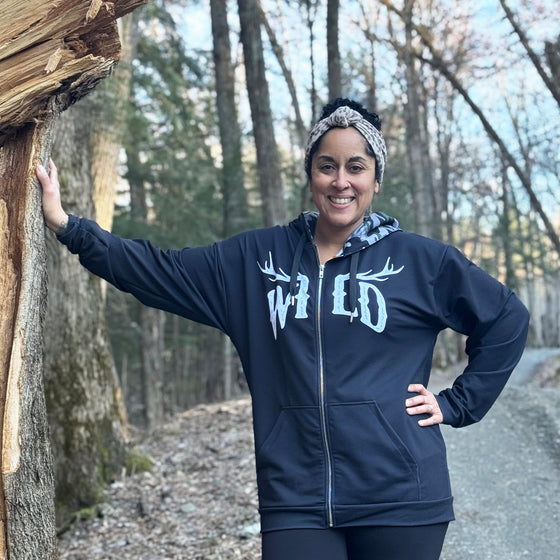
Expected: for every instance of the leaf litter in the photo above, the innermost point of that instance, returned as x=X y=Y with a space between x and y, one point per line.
x=198 y=501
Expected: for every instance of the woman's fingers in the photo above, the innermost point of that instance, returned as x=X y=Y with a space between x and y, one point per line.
x=423 y=403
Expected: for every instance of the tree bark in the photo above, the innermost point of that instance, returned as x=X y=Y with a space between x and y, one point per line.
x=268 y=159
x=51 y=54
x=27 y=518
x=333 y=51
x=84 y=399
x=82 y=396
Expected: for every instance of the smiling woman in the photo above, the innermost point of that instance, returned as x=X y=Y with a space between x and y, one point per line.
x=342 y=186
x=350 y=461
x=345 y=160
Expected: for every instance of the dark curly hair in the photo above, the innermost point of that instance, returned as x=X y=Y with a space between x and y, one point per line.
x=329 y=109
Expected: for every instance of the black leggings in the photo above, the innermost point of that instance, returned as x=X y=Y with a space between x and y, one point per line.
x=355 y=543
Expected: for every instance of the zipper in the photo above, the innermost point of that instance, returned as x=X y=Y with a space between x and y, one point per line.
x=322 y=399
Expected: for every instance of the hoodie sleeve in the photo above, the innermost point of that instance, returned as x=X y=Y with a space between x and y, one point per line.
x=496 y=324
x=188 y=282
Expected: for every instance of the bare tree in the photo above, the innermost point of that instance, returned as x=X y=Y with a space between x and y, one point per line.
x=301 y=129
x=268 y=159
x=552 y=85
x=310 y=13
x=417 y=135
x=438 y=63
x=333 y=50
x=369 y=20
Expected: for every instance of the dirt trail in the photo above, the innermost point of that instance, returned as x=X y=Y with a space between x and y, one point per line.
x=505 y=473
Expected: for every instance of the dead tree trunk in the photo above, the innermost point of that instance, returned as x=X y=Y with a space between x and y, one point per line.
x=268 y=158
x=26 y=485
x=333 y=52
x=51 y=54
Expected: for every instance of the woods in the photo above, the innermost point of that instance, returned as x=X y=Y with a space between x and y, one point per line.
x=199 y=134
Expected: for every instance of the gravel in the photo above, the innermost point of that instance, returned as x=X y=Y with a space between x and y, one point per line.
x=505 y=473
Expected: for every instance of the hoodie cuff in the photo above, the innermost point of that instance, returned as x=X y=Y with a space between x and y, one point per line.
x=449 y=416
x=72 y=223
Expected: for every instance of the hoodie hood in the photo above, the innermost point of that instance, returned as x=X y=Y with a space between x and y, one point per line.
x=375 y=227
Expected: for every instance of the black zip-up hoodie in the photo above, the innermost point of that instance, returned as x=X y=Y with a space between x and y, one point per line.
x=329 y=353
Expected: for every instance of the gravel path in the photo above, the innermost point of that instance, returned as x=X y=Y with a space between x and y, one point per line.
x=505 y=474
x=199 y=500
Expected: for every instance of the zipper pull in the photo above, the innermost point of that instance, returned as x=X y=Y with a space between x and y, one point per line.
x=321 y=271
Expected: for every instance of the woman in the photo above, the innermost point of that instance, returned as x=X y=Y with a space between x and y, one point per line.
x=335 y=317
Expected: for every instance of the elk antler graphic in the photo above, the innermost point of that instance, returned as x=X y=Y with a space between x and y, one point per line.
x=388 y=270
x=268 y=269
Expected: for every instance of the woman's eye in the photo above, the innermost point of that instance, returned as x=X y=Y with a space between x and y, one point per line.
x=327 y=167
x=356 y=168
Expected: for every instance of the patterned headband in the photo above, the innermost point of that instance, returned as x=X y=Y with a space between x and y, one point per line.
x=344 y=117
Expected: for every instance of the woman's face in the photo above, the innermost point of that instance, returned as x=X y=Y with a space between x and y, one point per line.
x=342 y=181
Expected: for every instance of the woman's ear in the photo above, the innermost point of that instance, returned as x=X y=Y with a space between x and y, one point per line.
x=376 y=187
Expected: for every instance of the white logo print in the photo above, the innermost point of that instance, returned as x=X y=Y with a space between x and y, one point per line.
x=363 y=300
x=279 y=304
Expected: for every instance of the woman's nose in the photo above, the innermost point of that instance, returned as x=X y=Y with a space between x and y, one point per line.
x=341 y=179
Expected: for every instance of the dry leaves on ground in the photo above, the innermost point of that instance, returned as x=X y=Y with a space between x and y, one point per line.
x=199 y=501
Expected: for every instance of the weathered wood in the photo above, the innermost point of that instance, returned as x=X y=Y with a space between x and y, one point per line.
x=50 y=47
x=27 y=498
x=51 y=54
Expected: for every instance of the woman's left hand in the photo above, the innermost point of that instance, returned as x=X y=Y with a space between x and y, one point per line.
x=424 y=403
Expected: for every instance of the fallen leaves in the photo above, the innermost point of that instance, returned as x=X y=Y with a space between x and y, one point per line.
x=199 y=501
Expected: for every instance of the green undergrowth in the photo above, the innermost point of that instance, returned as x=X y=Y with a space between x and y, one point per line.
x=137 y=462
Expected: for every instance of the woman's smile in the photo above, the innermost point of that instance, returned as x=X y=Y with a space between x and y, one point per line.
x=339 y=200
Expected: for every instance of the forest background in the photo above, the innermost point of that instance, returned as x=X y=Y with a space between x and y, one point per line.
x=200 y=133
x=433 y=70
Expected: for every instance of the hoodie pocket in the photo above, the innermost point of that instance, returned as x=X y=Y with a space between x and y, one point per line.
x=290 y=462
x=371 y=464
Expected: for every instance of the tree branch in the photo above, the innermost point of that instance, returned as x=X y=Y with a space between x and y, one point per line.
x=437 y=62
x=553 y=88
